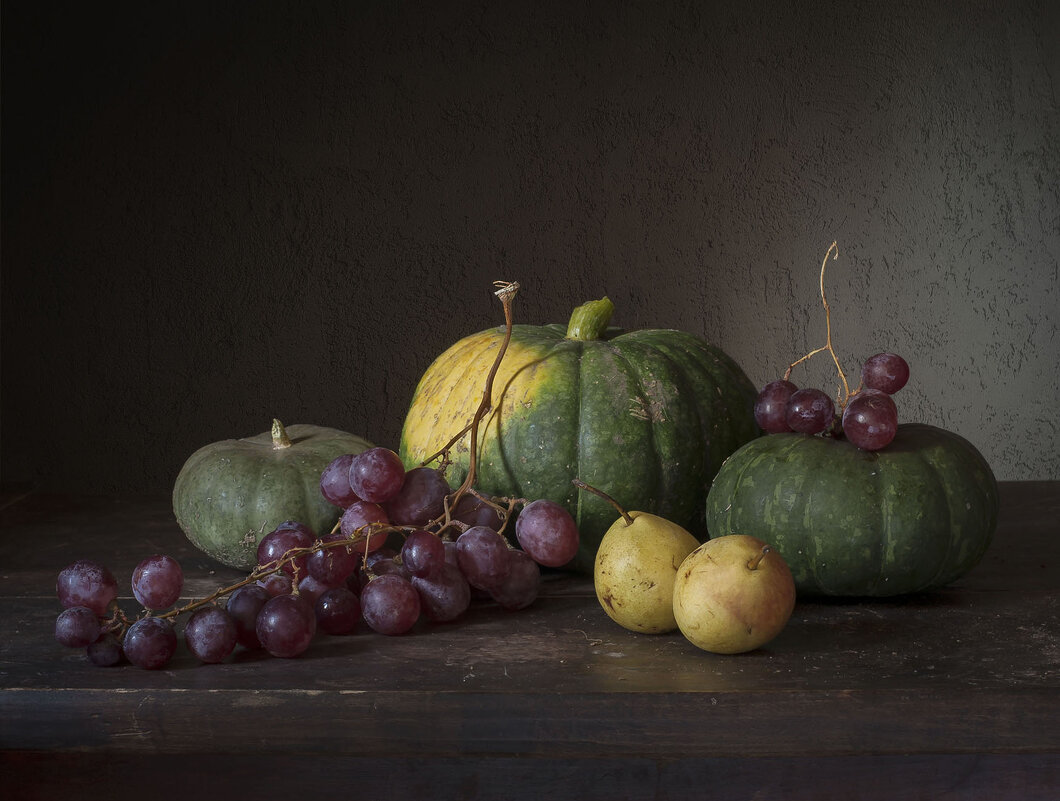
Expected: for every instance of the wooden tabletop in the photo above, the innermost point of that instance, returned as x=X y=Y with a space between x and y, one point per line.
x=950 y=694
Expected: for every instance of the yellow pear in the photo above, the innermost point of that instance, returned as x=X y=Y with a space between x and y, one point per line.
x=635 y=568
x=733 y=594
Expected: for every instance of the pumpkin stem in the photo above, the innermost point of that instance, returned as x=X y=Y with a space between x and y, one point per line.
x=589 y=321
x=600 y=493
x=279 y=435
x=756 y=560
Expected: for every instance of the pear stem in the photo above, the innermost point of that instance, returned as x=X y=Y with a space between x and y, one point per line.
x=756 y=560
x=600 y=493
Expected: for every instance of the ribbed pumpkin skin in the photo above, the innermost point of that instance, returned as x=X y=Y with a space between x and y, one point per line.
x=913 y=516
x=230 y=494
x=646 y=416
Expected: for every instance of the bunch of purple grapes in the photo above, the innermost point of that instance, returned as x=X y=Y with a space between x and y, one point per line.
x=438 y=569
x=304 y=583
x=92 y=620
x=869 y=419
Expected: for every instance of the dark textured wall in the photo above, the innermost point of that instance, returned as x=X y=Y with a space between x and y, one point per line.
x=215 y=217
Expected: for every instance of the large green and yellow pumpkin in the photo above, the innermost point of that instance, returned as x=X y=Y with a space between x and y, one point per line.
x=646 y=416
x=230 y=494
x=913 y=516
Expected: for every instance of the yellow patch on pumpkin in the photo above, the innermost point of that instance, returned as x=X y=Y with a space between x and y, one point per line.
x=451 y=390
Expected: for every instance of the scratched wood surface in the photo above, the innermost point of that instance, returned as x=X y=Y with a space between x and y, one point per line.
x=954 y=694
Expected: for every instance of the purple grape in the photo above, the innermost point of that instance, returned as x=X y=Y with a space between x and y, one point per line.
x=810 y=411
x=332 y=566
x=377 y=474
x=476 y=512
x=335 y=482
x=870 y=421
x=482 y=555
x=338 y=611
x=547 y=532
x=378 y=556
x=77 y=627
x=311 y=589
x=521 y=587
x=377 y=562
x=361 y=514
x=157 y=582
x=421 y=498
x=276 y=584
x=423 y=553
x=771 y=406
x=286 y=524
x=211 y=634
x=150 y=643
x=286 y=625
x=105 y=651
x=243 y=607
x=390 y=605
x=444 y=595
x=452 y=553
x=381 y=567
x=86 y=583
x=887 y=372
x=284 y=538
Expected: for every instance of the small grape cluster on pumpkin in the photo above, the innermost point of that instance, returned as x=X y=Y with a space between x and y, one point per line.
x=856 y=502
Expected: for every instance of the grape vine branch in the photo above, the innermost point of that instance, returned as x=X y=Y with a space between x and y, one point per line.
x=506 y=291
x=828 y=336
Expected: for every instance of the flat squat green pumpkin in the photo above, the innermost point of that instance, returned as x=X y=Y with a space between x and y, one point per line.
x=646 y=416
x=230 y=494
x=914 y=516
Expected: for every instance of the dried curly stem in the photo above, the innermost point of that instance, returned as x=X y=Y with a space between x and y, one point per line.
x=506 y=291
x=828 y=333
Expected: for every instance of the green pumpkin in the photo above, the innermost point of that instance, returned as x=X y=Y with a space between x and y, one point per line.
x=230 y=494
x=913 y=516
x=646 y=416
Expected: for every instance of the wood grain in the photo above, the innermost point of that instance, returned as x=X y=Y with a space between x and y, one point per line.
x=955 y=692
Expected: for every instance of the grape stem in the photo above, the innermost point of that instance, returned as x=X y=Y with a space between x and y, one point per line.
x=828 y=334
x=503 y=506
x=362 y=534
x=119 y=622
x=506 y=291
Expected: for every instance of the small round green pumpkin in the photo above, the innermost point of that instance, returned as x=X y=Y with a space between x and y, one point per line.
x=645 y=416
x=914 y=516
x=230 y=494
